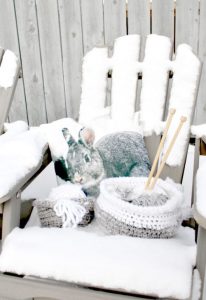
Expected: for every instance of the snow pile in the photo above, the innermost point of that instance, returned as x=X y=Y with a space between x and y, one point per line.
x=155 y=68
x=8 y=69
x=186 y=68
x=19 y=155
x=161 y=267
x=200 y=190
x=52 y=133
x=12 y=129
x=199 y=130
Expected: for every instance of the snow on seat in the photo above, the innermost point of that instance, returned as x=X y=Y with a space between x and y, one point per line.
x=86 y=256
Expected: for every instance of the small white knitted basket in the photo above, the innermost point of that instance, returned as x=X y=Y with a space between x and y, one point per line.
x=123 y=217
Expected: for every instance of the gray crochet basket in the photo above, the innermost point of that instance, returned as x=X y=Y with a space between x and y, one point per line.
x=48 y=217
x=161 y=219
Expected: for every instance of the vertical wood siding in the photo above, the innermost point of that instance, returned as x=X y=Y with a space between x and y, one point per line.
x=51 y=37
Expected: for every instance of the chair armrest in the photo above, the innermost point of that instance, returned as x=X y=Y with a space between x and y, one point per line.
x=199 y=216
x=29 y=177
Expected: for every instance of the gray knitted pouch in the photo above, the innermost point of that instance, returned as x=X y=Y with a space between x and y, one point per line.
x=146 y=215
x=48 y=217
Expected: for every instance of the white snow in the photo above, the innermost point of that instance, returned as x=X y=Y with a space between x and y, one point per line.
x=155 y=68
x=186 y=68
x=8 y=69
x=52 y=133
x=200 y=189
x=19 y=155
x=12 y=130
x=161 y=267
x=199 y=130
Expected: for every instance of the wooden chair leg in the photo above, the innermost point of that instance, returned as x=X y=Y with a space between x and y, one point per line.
x=201 y=258
x=11 y=215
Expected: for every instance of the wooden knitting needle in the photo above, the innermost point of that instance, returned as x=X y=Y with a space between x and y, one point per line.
x=167 y=126
x=159 y=171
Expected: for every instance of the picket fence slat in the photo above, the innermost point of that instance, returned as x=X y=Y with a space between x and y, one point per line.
x=92 y=24
x=51 y=37
x=163 y=17
x=72 y=49
x=9 y=40
x=187 y=23
x=114 y=21
x=51 y=58
x=139 y=20
x=200 y=116
x=31 y=61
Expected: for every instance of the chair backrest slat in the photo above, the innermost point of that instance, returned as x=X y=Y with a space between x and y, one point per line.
x=155 y=69
x=9 y=73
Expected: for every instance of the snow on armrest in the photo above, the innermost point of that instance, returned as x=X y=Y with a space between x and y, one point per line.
x=200 y=196
x=20 y=157
x=199 y=131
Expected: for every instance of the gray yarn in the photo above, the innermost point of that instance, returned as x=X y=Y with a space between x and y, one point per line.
x=48 y=217
x=114 y=226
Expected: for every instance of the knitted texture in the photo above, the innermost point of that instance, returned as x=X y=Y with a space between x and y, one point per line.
x=49 y=218
x=158 y=214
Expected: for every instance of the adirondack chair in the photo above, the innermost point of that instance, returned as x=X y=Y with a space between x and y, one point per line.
x=9 y=74
x=104 y=275
x=10 y=202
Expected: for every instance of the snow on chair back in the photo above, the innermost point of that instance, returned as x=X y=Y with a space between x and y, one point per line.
x=9 y=72
x=155 y=70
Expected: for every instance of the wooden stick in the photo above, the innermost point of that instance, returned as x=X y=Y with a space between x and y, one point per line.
x=167 y=126
x=159 y=171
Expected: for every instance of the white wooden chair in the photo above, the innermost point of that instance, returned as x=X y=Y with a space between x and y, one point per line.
x=10 y=202
x=9 y=74
x=154 y=74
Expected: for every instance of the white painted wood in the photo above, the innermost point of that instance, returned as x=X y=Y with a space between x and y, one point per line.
x=92 y=24
x=163 y=18
x=21 y=288
x=201 y=257
x=11 y=215
x=6 y=94
x=9 y=40
x=200 y=116
x=187 y=23
x=72 y=49
x=31 y=60
x=114 y=20
x=51 y=58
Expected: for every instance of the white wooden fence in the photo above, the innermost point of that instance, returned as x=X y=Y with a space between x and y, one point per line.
x=51 y=37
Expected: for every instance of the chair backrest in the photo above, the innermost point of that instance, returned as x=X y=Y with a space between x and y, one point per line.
x=146 y=85
x=9 y=74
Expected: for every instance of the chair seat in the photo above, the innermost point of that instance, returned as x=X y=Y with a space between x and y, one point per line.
x=89 y=257
x=21 y=156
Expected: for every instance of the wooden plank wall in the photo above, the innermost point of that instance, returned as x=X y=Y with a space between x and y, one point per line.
x=51 y=37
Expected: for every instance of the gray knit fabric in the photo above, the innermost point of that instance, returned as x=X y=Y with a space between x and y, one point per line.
x=124 y=207
x=114 y=226
x=48 y=217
